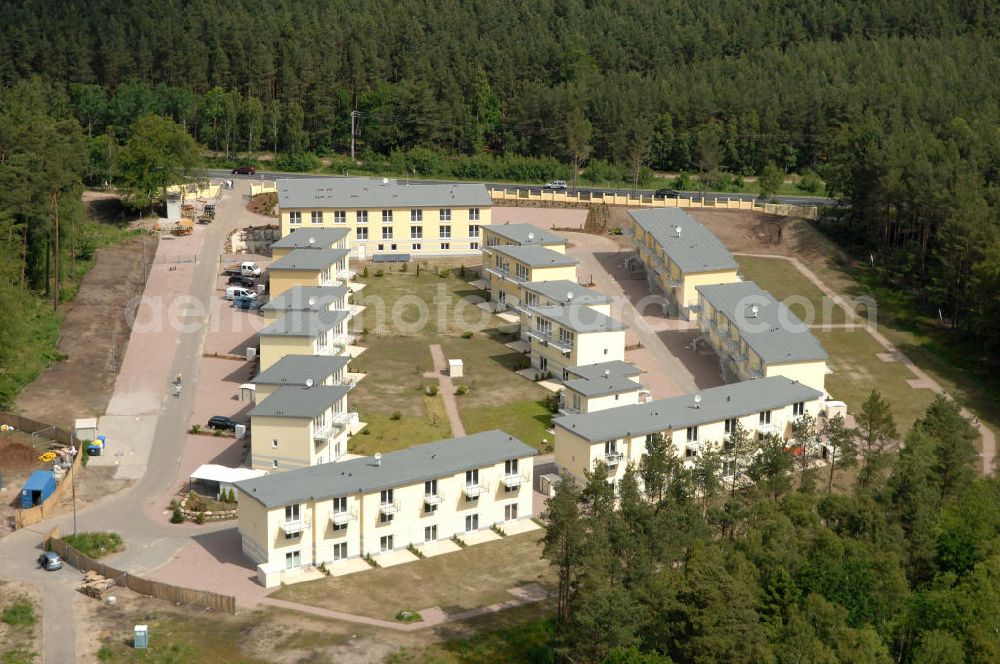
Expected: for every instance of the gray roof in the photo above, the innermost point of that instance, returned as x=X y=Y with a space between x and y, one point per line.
x=776 y=334
x=615 y=369
x=533 y=255
x=557 y=289
x=717 y=404
x=299 y=238
x=309 y=259
x=696 y=250
x=297 y=298
x=599 y=387
x=304 y=323
x=296 y=369
x=300 y=401
x=578 y=318
x=373 y=193
x=519 y=234
x=405 y=467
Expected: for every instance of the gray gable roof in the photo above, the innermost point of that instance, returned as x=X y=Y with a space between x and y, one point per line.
x=599 y=387
x=615 y=369
x=374 y=193
x=299 y=401
x=578 y=318
x=717 y=404
x=775 y=334
x=519 y=234
x=297 y=298
x=397 y=469
x=304 y=323
x=299 y=238
x=296 y=369
x=695 y=250
x=309 y=259
x=557 y=290
x=533 y=255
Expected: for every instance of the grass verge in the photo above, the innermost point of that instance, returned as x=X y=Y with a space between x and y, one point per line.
x=97 y=544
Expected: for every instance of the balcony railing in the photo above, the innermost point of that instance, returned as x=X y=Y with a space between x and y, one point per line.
x=474 y=489
x=324 y=432
x=292 y=527
x=342 y=518
x=389 y=508
x=613 y=458
x=512 y=480
x=343 y=340
x=346 y=275
x=538 y=335
x=768 y=428
x=434 y=498
x=560 y=345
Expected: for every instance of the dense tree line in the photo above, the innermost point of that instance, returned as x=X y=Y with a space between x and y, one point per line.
x=673 y=566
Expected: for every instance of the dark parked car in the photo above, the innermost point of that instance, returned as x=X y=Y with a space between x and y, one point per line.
x=666 y=193
x=240 y=280
x=244 y=170
x=222 y=422
x=50 y=561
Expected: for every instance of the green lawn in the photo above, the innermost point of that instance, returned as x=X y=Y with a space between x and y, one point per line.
x=398 y=356
x=527 y=420
x=474 y=576
x=783 y=280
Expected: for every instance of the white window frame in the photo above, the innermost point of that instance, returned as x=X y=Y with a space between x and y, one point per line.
x=386 y=216
x=340 y=551
x=383 y=541
x=293 y=560
x=445 y=245
x=361 y=217
x=444 y=214
x=361 y=233
x=416 y=216
x=340 y=216
x=295 y=218
x=416 y=232
x=316 y=217
x=387 y=232
x=473 y=214
x=474 y=230
x=444 y=232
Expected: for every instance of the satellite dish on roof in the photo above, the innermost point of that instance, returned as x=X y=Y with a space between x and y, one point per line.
x=753 y=310
x=312 y=301
x=378 y=458
x=531 y=236
x=309 y=382
x=569 y=295
x=697 y=401
x=312 y=240
x=607 y=373
x=679 y=229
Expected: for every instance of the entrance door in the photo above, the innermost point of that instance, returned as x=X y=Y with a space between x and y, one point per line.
x=430 y=533
x=471 y=523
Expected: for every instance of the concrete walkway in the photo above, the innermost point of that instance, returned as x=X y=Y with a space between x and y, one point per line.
x=921 y=380
x=446 y=388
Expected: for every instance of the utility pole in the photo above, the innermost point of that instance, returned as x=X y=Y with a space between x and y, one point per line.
x=354 y=124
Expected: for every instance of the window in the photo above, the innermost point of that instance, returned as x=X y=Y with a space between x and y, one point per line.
x=473 y=214
x=416 y=215
x=472 y=477
x=510 y=512
x=731 y=425
x=340 y=505
x=274 y=444
x=543 y=326
x=317 y=217
x=510 y=468
x=521 y=271
x=385 y=543
x=291 y=513
x=416 y=246
x=293 y=559
x=799 y=408
x=471 y=523
x=381 y=247
x=392 y=247
x=446 y=245
x=361 y=233
x=340 y=551
x=473 y=245
x=444 y=214
x=431 y=488
x=566 y=337
x=340 y=216
x=386 y=216
x=385 y=497
x=765 y=417
x=445 y=231
x=416 y=232
x=384 y=517
x=361 y=216
x=387 y=232
x=294 y=218
x=692 y=435
x=274 y=464
x=473 y=231
x=430 y=533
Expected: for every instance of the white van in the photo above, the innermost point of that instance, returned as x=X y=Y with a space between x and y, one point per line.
x=239 y=291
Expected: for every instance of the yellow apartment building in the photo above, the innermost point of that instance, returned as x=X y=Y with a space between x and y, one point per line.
x=333 y=513
x=309 y=267
x=692 y=423
x=679 y=254
x=519 y=235
x=756 y=336
x=300 y=371
x=600 y=386
x=564 y=337
x=512 y=266
x=299 y=426
x=562 y=292
x=310 y=238
x=304 y=333
x=307 y=298
x=388 y=216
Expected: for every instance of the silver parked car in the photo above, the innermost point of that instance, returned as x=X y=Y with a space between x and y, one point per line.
x=555 y=185
x=50 y=561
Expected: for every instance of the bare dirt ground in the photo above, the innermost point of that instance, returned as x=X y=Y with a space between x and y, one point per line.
x=17 y=641
x=93 y=338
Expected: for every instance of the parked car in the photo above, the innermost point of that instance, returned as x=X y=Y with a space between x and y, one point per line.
x=240 y=280
x=246 y=269
x=555 y=185
x=666 y=193
x=240 y=291
x=222 y=422
x=250 y=303
x=50 y=561
x=246 y=169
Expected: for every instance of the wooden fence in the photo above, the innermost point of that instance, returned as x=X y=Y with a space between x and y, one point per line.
x=176 y=594
x=29 y=517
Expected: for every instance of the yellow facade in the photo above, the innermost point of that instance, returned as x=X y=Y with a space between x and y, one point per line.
x=273 y=348
x=282 y=280
x=494 y=239
x=588 y=348
x=575 y=402
x=286 y=443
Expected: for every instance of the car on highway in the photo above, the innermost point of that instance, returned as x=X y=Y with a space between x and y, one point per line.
x=50 y=561
x=555 y=185
x=666 y=193
x=222 y=423
x=246 y=169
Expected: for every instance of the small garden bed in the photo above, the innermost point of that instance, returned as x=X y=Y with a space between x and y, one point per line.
x=96 y=545
x=198 y=508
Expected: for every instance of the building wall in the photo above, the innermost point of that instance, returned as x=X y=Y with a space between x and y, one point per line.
x=294 y=448
x=812 y=374
x=282 y=280
x=589 y=348
x=254 y=530
x=460 y=241
x=273 y=348
x=688 y=294
x=491 y=239
x=512 y=288
x=264 y=391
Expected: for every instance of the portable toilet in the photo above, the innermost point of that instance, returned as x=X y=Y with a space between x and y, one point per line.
x=39 y=486
x=141 y=637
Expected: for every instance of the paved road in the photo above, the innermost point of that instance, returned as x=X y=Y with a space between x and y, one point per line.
x=149 y=544
x=534 y=188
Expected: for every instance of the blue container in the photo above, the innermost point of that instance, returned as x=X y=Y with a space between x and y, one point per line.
x=39 y=486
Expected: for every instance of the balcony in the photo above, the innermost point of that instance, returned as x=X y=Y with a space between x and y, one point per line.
x=768 y=429
x=560 y=345
x=346 y=274
x=341 y=420
x=613 y=458
x=342 y=518
x=433 y=499
x=323 y=433
x=539 y=335
x=512 y=480
x=504 y=274
x=343 y=340
x=388 y=509
x=293 y=527
x=474 y=489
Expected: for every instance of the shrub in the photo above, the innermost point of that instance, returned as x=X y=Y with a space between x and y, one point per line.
x=415 y=551
x=408 y=616
x=461 y=270
x=467 y=334
x=379 y=273
x=219 y=433
x=177 y=516
x=298 y=162
x=96 y=544
x=199 y=518
x=195 y=428
x=810 y=183
x=364 y=271
x=431 y=390
x=396 y=416
x=19 y=614
x=105 y=653
x=462 y=390
x=444 y=272
x=367 y=431
x=404 y=267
